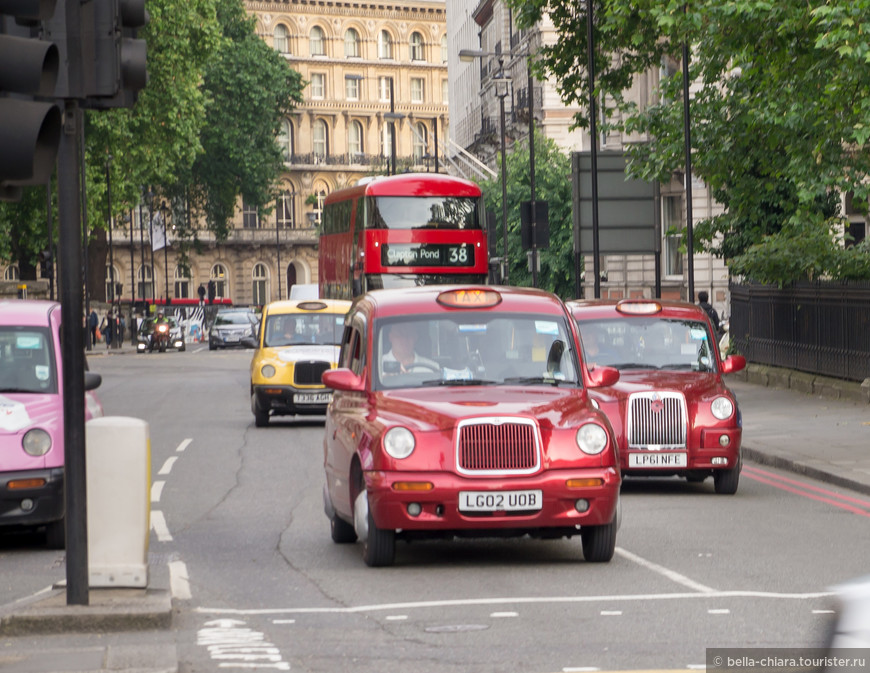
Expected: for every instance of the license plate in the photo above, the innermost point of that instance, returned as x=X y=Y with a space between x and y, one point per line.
x=312 y=398
x=655 y=459
x=500 y=501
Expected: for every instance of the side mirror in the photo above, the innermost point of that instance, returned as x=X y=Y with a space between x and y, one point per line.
x=603 y=376
x=342 y=379
x=733 y=363
x=92 y=380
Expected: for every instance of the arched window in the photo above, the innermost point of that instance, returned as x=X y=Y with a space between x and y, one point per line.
x=11 y=273
x=145 y=282
x=182 y=282
x=320 y=192
x=355 y=141
x=421 y=142
x=260 y=284
x=285 y=140
x=113 y=277
x=320 y=144
x=444 y=48
x=385 y=44
x=351 y=43
x=315 y=41
x=286 y=207
x=221 y=280
x=387 y=139
x=416 y=46
x=281 y=39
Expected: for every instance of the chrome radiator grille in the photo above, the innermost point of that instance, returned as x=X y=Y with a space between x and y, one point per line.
x=656 y=420
x=308 y=373
x=498 y=446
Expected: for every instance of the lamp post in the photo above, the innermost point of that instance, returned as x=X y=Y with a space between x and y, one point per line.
x=111 y=296
x=502 y=84
x=150 y=196
x=392 y=115
x=278 y=212
x=163 y=211
x=133 y=279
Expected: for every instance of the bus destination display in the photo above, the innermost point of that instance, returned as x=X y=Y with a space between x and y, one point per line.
x=427 y=254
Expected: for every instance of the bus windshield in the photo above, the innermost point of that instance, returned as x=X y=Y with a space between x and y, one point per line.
x=423 y=212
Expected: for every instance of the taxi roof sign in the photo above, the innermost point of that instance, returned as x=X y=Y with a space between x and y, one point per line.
x=311 y=305
x=475 y=298
x=638 y=306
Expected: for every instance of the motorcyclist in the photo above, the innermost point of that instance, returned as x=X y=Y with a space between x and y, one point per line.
x=156 y=332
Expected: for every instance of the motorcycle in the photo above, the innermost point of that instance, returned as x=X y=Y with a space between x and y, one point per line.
x=159 y=337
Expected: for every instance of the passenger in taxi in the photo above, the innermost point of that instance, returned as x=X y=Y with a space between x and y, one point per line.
x=402 y=357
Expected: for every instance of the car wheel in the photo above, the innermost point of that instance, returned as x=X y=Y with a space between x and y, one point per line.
x=725 y=481
x=379 y=546
x=342 y=531
x=599 y=542
x=211 y=346
x=183 y=347
x=261 y=418
x=696 y=477
x=55 y=535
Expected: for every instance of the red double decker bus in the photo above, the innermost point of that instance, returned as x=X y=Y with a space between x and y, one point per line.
x=399 y=231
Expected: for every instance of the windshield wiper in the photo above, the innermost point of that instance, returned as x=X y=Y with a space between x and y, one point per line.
x=458 y=382
x=531 y=380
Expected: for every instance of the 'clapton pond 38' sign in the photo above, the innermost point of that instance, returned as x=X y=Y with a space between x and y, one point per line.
x=427 y=254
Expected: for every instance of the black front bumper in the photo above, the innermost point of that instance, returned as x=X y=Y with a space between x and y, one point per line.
x=46 y=502
x=285 y=400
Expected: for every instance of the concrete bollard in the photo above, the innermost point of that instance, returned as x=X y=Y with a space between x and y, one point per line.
x=118 y=466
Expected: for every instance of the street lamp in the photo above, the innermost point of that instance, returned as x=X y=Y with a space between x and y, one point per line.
x=113 y=327
x=501 y=90
x=163 y=211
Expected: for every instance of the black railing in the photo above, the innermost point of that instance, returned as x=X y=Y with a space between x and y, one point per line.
x=822 y=328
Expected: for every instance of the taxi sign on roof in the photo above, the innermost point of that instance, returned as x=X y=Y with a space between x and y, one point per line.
x=638 y=307
x=469 y=298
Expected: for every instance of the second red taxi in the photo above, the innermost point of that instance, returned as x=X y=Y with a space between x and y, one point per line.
x=464 y=412
x=671 y=410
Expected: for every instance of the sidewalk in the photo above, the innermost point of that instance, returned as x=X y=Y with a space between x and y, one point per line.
x=808 y=425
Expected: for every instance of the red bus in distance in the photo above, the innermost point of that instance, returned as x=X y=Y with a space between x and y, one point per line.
x=401 y=231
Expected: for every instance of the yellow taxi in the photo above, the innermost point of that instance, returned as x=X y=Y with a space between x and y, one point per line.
x=297 y=342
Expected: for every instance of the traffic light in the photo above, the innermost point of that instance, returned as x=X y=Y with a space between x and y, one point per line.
x=46 y=264
x=113 y=60
x=29 y=128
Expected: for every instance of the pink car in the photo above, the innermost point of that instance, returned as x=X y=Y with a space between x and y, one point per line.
x=31 y=417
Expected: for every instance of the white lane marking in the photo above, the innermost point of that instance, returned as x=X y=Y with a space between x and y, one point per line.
x=580 y=669
x=179 y=581
x=157 y=490
x=719 y=611
x=283 y=621
x=610 y=613
x=501 y=615
x=525 y=600
x=665 y=572
x=167 y=466
x=158 y=525
x=396 y=618
x=183 y=445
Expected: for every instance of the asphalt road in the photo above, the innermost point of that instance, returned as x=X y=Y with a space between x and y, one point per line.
x=257 y=582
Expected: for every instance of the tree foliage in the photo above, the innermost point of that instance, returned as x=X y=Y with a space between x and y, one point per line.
x=552 y=184
x=780 y=105
x=202 y=132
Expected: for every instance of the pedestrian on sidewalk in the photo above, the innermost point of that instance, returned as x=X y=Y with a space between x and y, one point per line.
x=704 y=303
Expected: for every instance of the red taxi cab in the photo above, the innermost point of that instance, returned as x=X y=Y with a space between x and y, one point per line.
x=464 y=412
x=670 y=409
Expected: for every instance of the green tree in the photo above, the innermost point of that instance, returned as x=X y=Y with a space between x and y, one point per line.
x=552 y=184
x=780 y=105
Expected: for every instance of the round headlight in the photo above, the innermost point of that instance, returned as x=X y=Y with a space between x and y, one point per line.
x=36 y=442
x=399 y=442
x=268 y=371
x=722 y=408
x=591 y=438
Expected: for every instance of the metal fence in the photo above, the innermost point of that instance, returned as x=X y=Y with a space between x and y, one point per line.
x=822 y=327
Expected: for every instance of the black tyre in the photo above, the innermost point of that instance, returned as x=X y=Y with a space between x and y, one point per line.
x=599 y=542
x=55 y=535
x=379 y=546
x=725 y=482
x=342 y=531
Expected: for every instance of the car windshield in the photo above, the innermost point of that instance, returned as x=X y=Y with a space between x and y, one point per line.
x=473 y=348
x=648 y=343
x=290 y=329
x=26 y=361
x=235 y=318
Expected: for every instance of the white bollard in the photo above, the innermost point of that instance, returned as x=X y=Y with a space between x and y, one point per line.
x=118 y=466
